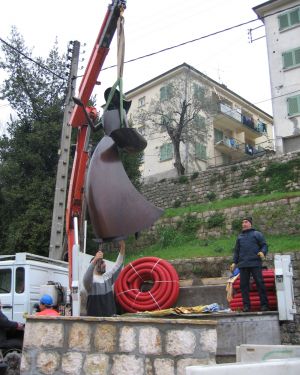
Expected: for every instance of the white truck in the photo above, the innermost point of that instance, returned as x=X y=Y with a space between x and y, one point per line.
x=24 y=277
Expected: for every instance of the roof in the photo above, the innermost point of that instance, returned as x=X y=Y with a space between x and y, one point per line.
x=263 y=8
x=205 y=77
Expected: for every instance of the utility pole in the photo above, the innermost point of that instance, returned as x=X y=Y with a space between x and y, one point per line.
x=58 y=216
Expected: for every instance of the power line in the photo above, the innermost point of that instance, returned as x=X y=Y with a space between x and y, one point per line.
x=30 y=59
x=184 y=43
x=151 y=53
x=200 y=38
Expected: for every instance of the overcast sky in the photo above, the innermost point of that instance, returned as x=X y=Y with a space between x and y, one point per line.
x=151 y=26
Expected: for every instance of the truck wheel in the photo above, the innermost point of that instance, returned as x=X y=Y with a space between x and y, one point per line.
x=13 y=362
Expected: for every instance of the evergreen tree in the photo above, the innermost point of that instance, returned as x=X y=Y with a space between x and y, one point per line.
x=35 y=88
x=28 y=153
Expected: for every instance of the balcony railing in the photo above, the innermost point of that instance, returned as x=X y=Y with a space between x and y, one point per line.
x=233 y=147
x=259 y=126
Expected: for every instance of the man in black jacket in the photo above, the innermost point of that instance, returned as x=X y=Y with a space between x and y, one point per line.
x=11 y=333
x=249 y=252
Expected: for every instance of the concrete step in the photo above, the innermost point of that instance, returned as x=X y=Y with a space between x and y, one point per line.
x=211 y=291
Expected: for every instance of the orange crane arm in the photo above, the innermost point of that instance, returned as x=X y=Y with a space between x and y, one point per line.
x=78 y=120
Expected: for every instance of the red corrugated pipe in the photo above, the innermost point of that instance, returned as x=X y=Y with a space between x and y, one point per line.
x=147 y=284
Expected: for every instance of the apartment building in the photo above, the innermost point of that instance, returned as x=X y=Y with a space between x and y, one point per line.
x=282 y=24
x=220 y=126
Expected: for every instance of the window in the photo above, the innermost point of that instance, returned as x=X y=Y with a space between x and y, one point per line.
x=165 y=120
x=142 y=101
x=20 y=280
x=199 y=121
x=218 y=135
x=166 y=152
x=198 y=92
x=289 y=19
x=200 y=151
x=291 y=58
x=5 y=281
x=166 y=92
x=293 y=105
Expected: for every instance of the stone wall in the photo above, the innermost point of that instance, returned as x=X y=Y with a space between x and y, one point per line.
x=272 y=218
x=116 y=346
x=275 y=217
x=240 y=179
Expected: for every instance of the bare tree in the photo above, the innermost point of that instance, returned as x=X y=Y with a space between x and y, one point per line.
x=182 y=109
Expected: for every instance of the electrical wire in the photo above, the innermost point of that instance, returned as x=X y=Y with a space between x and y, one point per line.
x=156 y=52
x=199 y=38
x=30 y=59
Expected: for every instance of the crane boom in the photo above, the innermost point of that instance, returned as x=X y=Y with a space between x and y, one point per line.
x=79 y=121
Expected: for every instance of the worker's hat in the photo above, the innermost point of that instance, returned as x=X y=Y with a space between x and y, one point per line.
x=46 y=300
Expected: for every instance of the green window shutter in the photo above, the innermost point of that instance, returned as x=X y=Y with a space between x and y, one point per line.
x=166 y=92
x=289 y=19
x=199 y=121
x=295 y=17
x=169 y=91
x=218 y=135
x=163 y=93
x=166 y=151
x=283 y=21
x=293 y=105
x=297 y=56
x=198 y=92
x=200 y=151
x=287 y=59
x=291 y=58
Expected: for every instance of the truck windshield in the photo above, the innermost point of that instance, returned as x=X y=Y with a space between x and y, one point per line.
x=5 y=281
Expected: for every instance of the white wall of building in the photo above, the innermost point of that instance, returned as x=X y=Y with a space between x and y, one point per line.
x=284 y=82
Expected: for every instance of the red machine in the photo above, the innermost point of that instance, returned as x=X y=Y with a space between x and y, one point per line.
x=78 y=120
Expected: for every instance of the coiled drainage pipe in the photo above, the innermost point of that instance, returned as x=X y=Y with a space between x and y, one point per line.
x=147 y=284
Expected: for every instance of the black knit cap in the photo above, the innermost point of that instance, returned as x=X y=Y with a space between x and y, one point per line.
x=248 y=218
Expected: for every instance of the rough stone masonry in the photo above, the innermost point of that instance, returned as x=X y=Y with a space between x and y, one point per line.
x=116 y=346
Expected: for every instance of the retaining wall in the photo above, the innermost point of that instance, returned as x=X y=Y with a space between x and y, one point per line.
x=116 y=346
x=240 y=179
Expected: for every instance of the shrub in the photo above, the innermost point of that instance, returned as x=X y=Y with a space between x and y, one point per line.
x=167 y=235
x=280 y=173
x=236 y=225
x=177 y=203
x=216 y=220
x=211 y=196
x=250 y=172
x=194 y=175
x=183 y=179
x=190 y=224
x=235 y=194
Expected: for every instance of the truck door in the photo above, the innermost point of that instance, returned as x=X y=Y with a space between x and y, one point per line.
x=6 y=290
x=19 y=296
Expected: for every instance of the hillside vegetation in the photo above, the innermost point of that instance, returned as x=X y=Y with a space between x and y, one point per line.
x=173 y=243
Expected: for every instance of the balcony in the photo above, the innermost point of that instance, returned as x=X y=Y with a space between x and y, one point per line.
x=237 y=150
x=231 y=119
x=231 y=147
